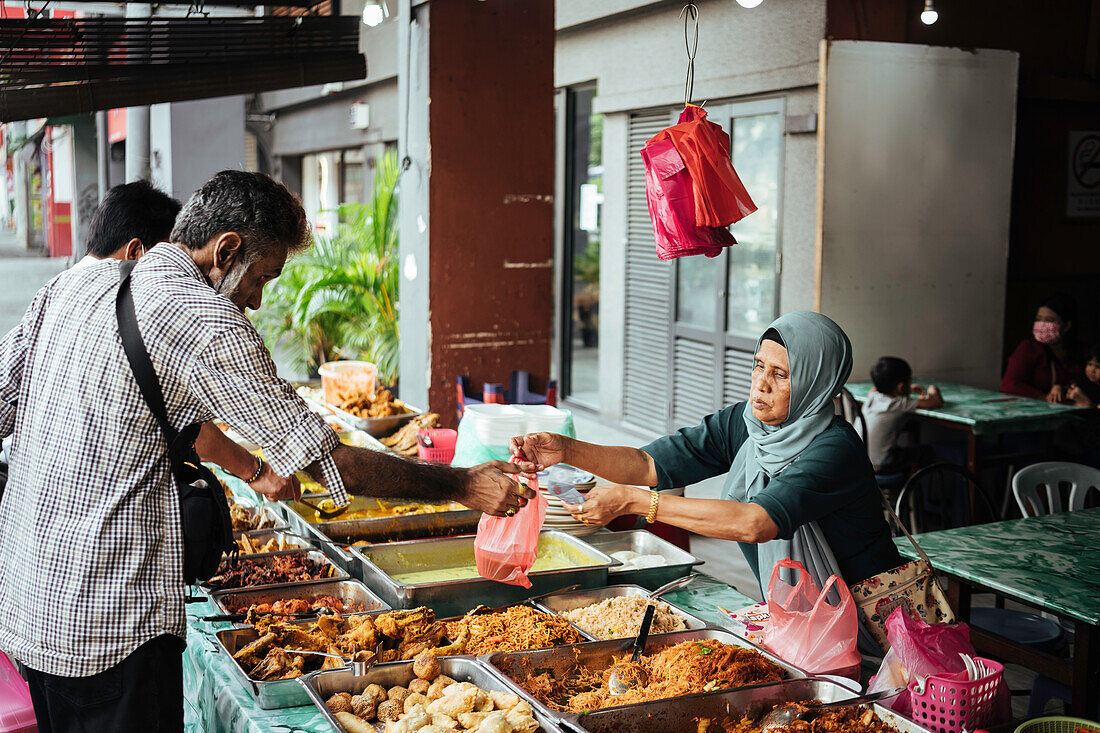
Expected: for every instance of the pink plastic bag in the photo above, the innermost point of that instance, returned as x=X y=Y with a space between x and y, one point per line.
x=919 y=649
x=505 y=547
x=808 y=631
x=670 y=196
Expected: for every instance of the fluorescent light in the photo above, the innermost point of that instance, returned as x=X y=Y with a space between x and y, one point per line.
x=749 y=3
x=929 y=16
x=374 y=12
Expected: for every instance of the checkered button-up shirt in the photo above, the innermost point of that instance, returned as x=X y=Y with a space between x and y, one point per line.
x=91 y=549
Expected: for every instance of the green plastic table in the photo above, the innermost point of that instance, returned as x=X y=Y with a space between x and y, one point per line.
x=980 y=412
x=1050 y=562
x=215 y=700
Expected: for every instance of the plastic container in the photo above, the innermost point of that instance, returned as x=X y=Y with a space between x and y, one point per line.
x=946 y=704
x=496 y=424
x=444 y=440
x=16 y=709
x=343 y=379
x=1056 y=724
x=543 y=418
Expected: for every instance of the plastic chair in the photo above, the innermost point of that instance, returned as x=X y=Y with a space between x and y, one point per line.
x=851 y=411
x=1049 y=476
x=519 y=391
x=939 y=497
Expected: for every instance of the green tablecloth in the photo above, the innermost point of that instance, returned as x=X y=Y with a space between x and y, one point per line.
x=1051 y=561
x=985 y=412
x=215 y=700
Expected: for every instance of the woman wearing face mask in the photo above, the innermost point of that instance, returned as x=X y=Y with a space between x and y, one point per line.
x=798 y=484
x=1046 y=364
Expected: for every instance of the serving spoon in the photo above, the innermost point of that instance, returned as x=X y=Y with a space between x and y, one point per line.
x=615 y=683
x=784 y=715
x=325 y=513
x=672 y=585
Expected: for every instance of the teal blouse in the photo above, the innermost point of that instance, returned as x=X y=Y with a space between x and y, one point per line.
x=831 y=482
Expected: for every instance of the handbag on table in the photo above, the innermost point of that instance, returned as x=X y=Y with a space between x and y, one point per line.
x=911 y=586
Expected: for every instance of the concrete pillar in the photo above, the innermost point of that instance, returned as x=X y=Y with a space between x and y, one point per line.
x=137 y=120
x=103 y=154
x=22 y=193
x=478 y=195
x=86 y=173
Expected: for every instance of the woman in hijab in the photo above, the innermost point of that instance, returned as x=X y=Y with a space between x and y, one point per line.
x=798 y=484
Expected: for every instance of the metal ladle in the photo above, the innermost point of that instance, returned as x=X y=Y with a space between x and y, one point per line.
x=615 y=684
x=672 y=585
x=784 y=715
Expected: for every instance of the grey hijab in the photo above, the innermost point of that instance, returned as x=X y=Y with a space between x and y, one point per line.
x=820 y=361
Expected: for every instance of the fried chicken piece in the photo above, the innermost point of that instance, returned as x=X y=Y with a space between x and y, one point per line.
x=362 y=636
x=275 y=666
x=255 y=651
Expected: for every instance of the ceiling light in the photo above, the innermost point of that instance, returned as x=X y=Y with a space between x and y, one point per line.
x=929 y=16
x=749 y=3
x=374 y=12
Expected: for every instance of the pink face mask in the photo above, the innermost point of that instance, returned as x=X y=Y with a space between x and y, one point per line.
x=1046 y=332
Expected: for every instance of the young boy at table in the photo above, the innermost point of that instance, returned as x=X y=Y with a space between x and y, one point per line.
x=887 y=409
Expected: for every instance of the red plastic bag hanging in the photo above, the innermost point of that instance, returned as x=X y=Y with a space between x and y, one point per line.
x=808 y=631
x=505 y=547
x=671 y=202
x=720 y=197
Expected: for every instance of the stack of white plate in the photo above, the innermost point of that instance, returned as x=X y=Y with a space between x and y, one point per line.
x=557 y=516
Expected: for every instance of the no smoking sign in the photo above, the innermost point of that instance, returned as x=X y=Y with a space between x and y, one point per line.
x=1083 y=189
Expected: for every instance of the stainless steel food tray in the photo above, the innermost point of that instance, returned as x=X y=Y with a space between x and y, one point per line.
x=376 y=427
x=339 y=556
x=348 y=591
x=262 y=536
x=680 y=713
x=559 y=603
x=316 y=555
x=561 y=660
x=319 y=686
x=679 y=562
x=450 y=598
x=272 y=519
x=388 y=529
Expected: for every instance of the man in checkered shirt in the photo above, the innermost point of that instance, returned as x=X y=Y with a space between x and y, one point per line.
x=91 y=548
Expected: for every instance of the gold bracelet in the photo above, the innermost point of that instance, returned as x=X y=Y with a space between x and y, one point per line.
x=654 y=500
x=256 y=475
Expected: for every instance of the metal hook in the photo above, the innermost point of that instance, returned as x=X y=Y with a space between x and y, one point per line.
x=690 y=13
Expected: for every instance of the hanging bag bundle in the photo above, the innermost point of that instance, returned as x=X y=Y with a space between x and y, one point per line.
x=204 y=511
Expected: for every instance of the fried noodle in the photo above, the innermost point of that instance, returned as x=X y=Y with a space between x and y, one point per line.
x=514 y=629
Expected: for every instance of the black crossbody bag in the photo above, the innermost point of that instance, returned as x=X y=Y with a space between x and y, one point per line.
x=204 y=511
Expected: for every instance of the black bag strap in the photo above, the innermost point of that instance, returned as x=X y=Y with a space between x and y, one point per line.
x=138 y=355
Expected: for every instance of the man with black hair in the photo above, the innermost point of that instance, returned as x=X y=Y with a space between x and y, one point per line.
x=888 y=407
x=130 y=220
x=90 y=525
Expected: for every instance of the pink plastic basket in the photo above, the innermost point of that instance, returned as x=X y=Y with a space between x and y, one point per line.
x=444 y=440
x=16 y=709
x=947 y=703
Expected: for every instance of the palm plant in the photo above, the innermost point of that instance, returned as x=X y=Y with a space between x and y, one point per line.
x=339 y=299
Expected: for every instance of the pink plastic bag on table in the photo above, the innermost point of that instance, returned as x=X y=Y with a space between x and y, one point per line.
x=919 y=649
x=505 y=547
x=670 y=196
x=808 y=631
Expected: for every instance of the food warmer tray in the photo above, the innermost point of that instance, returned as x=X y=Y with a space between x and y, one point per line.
x=559 y=603
x=453 y=597
x=679 y=562
x=320 y=686
x=269 y=694
x=316 y=555
x=348 y=591
x=376 y=427
x=273 y=519
x=670 y=716
x=339 y=556
x=560 y=660
x=386 y=529
x=263 y=536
